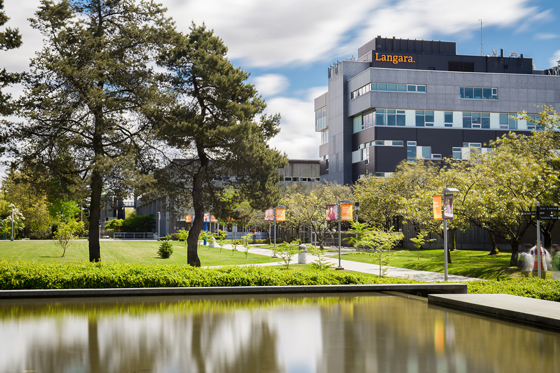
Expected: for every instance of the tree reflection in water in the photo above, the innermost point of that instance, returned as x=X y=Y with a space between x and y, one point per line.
x=335 y=333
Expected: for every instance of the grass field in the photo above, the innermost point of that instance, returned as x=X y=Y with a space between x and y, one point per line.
x=143 y=252
x=465 y=262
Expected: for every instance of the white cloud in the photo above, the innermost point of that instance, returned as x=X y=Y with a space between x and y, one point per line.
x=421 y=19
x=297 y=136
x=554 y=59
x=275 y=33
x=546 y=36
x=270 y=84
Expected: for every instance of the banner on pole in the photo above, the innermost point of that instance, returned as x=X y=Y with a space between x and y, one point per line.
x=269 y=215
x=188 y=218
x=437 y=207
x=332 y=213
x=346 y=212
x=448 y=207
x=280 y=214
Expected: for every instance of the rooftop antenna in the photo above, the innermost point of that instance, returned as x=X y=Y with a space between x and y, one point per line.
x=481 y=45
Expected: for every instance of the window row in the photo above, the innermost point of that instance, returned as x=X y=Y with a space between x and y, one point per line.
x=429 y=118
x=478 y=93
x=302 y=179
x=388 y=87
x=321 y=119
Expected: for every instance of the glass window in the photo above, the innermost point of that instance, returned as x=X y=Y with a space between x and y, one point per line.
x=448 y=119
x=368 y=120
x=380 y=118
x=357 y=127
x=477 y=93
x=504 y=121
x=462 y=92
x=421 y=88
x=427 y=152
x=419 y=118
x=485 y=120
x=467 y=120
x=487 y=93
x=436 y=156
x=411 y=151
x=429 y=117
x=411 y=88
x=468 y=92
x=401 y=118
x=457 y=153
x=374 y=86
x=391 y=118
x=379 y=142
x=398 y=143
x=512 y=121
x=381 y=86
x=392 y=87
x=401 y=88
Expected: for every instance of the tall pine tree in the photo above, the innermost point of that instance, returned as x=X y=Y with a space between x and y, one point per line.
x=9 y=39
x=218 y=128
x=92 y=95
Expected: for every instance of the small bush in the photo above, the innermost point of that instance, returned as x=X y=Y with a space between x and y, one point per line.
x=165 y=248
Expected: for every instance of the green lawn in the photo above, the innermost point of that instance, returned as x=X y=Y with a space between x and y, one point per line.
x=143 y=252
x=469 y=263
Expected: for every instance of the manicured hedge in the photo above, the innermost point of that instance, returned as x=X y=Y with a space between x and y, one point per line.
x=532 y=287
x=31 y=275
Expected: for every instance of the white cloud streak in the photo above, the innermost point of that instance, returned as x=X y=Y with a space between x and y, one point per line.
x=270 y=85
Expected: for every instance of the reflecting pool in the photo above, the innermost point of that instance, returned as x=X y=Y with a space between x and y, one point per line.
x=349 y=332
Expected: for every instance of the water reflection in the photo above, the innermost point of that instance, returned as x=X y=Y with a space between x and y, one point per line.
x=339 y=333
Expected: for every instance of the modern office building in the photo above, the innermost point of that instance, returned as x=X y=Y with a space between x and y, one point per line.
x=409 y=99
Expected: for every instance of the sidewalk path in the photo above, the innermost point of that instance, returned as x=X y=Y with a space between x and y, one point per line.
x=373 y=269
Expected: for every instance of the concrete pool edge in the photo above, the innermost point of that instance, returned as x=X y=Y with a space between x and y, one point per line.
x=528 y=311
x=415 y=289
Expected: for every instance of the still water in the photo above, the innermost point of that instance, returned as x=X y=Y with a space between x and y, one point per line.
x=296 y=334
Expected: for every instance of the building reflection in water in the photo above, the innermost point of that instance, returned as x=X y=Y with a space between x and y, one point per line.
x=335 y=333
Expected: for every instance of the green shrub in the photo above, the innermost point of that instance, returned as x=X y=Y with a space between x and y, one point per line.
x=165 y=248
x=32 y=275
x=532 y=287
x=43 y=234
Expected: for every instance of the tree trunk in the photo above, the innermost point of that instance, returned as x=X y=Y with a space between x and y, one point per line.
x=198 y=204
x=94 y=216
x=453 y=245
x=514 y=253
x=494 y=250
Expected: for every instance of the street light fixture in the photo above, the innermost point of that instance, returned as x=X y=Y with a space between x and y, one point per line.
x=447 y=214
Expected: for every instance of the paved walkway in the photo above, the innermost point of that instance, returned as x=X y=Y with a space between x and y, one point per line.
x=349 y=265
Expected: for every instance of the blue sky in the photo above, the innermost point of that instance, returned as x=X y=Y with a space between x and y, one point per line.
x=288 y=45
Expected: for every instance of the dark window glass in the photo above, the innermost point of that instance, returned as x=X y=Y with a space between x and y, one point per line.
x=448 y=117
x=419 y=120
x=374 y=86
x=411 y=88
x=380 y=119
x=487 y=93
x=421 y=88
x=468 y=92
x=429 y=117
x=485 y=122
x=475 y=118
x=401 y=120
x=391 y=121
x=466 y=122
x=462 y=92
x=478 y=93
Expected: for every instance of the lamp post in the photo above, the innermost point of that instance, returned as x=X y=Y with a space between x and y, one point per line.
x=275 y=221
x=447 y=213
x=12 y=223
x=158 y=223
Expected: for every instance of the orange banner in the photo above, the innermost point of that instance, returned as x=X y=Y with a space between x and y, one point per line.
x=269 y=215
x=346 y=212
x=188 y=219
x=280 y=214
x=437 y=207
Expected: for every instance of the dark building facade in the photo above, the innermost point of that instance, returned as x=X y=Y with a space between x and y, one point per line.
x=410 y=99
